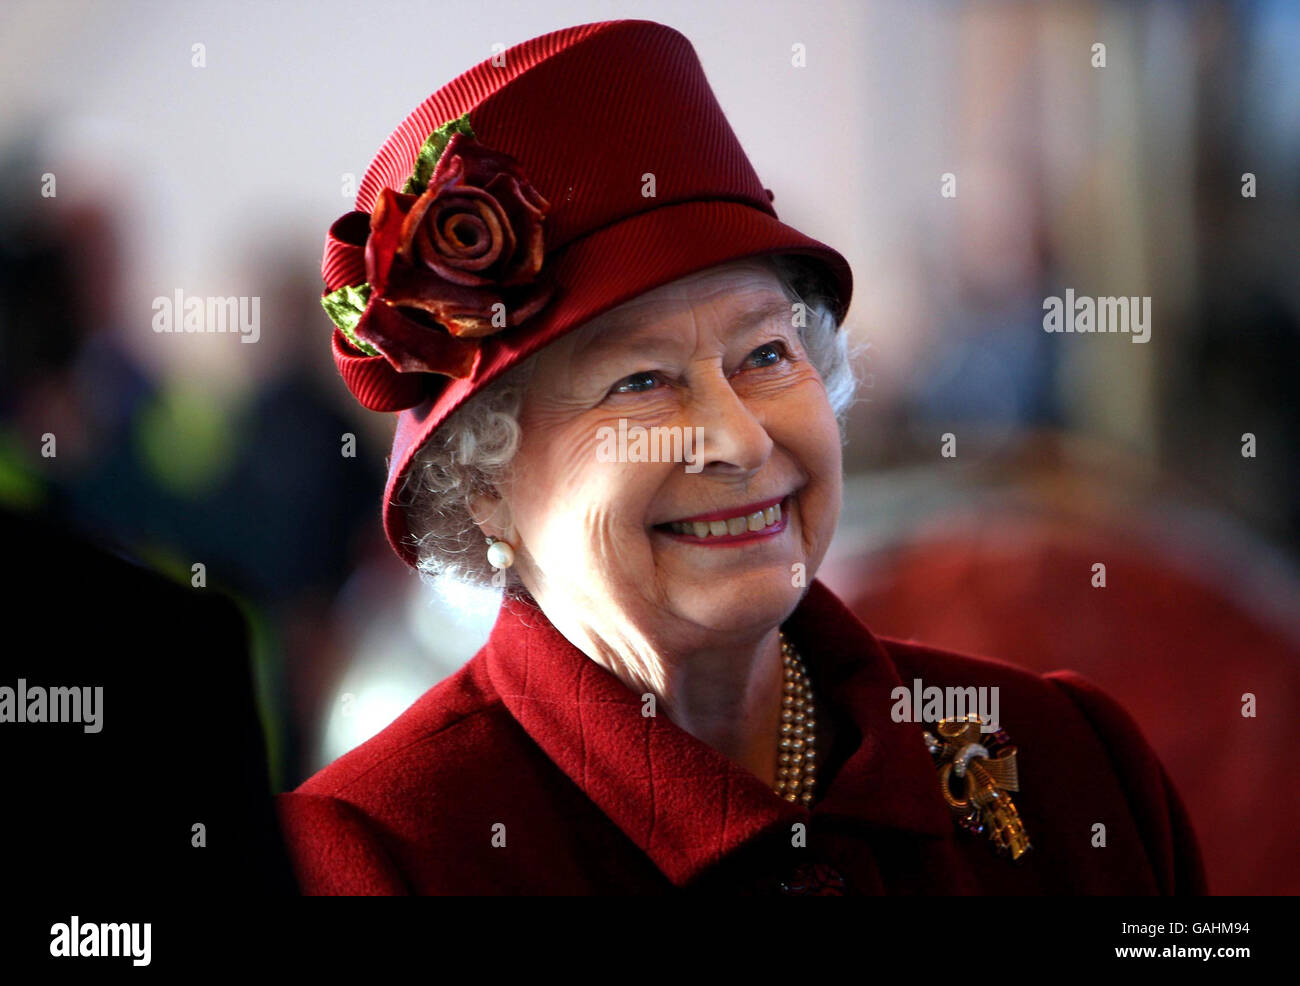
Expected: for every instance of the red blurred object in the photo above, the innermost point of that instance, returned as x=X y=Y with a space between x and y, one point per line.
x=1178 y=635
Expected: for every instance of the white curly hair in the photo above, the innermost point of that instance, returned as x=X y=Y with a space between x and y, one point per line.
x=472 y=450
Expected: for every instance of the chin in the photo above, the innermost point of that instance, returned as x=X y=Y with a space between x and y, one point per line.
x=746 y=604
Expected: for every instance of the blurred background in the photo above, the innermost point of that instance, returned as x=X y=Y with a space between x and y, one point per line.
x=151 y=148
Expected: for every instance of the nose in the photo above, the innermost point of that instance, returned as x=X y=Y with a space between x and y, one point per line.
x=732 y=438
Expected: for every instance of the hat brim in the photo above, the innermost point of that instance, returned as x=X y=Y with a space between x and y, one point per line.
x=593 y=274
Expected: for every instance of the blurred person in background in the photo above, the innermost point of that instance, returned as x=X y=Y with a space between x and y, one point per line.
x=114 y=448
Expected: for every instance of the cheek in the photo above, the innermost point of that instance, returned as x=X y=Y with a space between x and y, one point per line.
x=800 y=419
x=826 y=448
x=572 y=505
x=806 y=428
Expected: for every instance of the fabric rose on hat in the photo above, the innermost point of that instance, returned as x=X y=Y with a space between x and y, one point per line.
x=453 y=257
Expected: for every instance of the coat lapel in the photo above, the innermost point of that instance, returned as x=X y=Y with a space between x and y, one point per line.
x=686 y=805
x=889 y=780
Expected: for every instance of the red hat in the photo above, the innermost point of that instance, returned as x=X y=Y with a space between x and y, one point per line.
x=542 y=187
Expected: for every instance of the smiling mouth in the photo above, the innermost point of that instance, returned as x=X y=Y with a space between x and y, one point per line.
x=760 y=522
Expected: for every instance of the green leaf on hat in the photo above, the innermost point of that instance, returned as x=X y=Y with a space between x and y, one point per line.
x=344 y=307
x=431 y=150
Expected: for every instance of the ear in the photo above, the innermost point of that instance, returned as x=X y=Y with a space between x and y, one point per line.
x=491 y=514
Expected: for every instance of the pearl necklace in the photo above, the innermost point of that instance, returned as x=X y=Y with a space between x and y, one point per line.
x=796 y=774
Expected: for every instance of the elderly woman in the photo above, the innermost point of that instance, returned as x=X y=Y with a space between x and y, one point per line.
x=619 y=379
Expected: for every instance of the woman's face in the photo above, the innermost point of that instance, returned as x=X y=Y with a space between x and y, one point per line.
x=715 y=361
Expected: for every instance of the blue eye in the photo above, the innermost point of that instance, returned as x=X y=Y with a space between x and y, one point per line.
x=776 y=349
x=622 y=387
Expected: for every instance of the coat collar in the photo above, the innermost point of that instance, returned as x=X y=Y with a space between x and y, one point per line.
x=686 y=805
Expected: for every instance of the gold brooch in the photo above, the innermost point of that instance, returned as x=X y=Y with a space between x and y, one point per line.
x=983 y=771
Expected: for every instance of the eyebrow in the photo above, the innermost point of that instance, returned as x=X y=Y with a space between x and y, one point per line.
x=623 y=335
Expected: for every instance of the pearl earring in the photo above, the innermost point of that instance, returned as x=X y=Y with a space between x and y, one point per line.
x=499 y=553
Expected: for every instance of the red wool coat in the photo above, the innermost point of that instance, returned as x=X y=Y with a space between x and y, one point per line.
x=533 y=771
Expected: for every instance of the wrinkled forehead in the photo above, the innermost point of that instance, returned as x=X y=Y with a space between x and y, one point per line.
x=736 y=287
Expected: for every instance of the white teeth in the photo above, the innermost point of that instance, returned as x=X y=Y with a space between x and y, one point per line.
x=755 y=521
